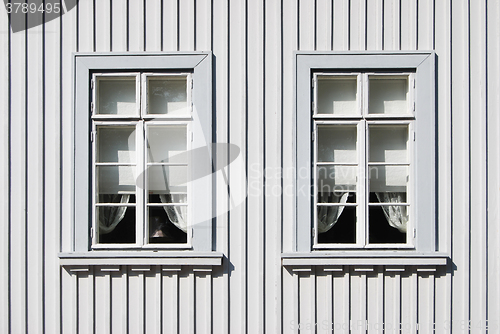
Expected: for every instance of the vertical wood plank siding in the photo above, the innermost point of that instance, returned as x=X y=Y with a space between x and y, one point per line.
x=253 y=44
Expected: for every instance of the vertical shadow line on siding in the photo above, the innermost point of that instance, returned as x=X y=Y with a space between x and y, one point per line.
x=195 y=48
x=366 y=26
x=9 y=173
x=94 y=25
x=43 y=201
x=348 y=25
x=144 y=32
x=25 y=153
x=486 y=98
x=245 y=215
x=469 y=156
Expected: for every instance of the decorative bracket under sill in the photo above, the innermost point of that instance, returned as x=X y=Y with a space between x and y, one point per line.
x=140 y=261
x=392 y=261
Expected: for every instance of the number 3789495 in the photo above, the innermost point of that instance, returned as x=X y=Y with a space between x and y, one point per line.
x=24 y=7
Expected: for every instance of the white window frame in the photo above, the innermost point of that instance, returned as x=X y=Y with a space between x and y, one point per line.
x=362 y=120
x=421 y=65
x=199 y=67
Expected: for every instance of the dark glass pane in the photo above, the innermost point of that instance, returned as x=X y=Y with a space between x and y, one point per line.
x=344 y=230
x=336 y=197
x=380 y=232
x=115 y=198
x=162 y=229
x=167 y=198
x=123 y=232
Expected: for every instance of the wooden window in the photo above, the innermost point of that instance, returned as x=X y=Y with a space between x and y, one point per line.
x=136 y=184
x=362 y=160
x=141 y=162
x=365 y=140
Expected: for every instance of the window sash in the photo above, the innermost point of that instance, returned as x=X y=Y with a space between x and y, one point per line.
x=141 y=169
x=362 y=121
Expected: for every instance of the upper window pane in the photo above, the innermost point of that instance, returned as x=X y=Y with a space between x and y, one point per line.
x=167 y=95
x=388 y=143
x=337 y=143
x=388 y=95
x=116 y=144
x=337 y=95
x=167 y=143
x=116 y=96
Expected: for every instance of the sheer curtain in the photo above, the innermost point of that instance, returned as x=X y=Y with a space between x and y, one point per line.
x=176 y=214
x=111 y=216
x=396 y=215
x=329 y=215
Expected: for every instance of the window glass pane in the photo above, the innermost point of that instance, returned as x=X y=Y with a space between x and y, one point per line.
x=116 y=179
x=116 y=224
x=387 y=224
x=388 y=178
x=167 y=198
x=167 y=224
x=343 y=230
x=167 y=179
x=337 y=95
x=116 y=198
x=167 y=144
x=388 y=143
x=337 y=179
x=388 y=95
x=336 y=197
x=337 y=143
x=116 y=144
x=167 y=95
x=116 y=96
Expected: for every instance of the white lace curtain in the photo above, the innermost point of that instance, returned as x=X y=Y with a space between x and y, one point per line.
x=176 y=214
x=396 y=215
x=328 y=216
x=111 y=216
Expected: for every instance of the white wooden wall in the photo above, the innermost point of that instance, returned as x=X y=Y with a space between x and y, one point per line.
x=253 y=43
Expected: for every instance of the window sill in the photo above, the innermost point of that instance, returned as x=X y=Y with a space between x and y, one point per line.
x=395 y=258
x=142 y=258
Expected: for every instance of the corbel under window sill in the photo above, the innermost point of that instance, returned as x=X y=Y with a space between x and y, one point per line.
x=142 y=258
x=397 y=258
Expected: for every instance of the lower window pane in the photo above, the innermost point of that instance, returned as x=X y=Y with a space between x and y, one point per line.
x=116 y=224
x=336 y=224
x=167 y=224
x=387 y=224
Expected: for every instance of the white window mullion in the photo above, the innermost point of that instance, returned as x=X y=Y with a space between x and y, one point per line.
x=365 y=94
x=143 y=95
x=360 y=100
x=362 y=196
x=141 y=171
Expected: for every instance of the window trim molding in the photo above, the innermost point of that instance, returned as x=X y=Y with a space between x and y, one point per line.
x=84 y=64
x=423 y=63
